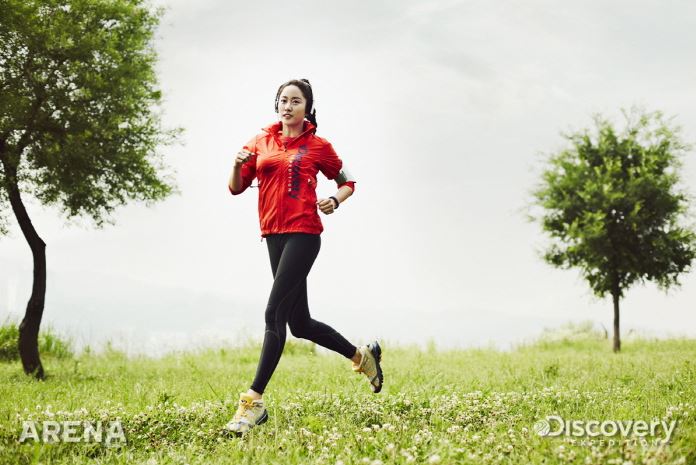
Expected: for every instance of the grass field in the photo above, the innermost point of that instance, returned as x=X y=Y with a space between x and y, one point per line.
x=466 y=406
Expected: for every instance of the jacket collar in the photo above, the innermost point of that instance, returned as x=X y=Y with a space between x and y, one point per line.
x=274 y=128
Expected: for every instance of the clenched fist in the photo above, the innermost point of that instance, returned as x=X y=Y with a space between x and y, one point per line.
x=326 y=206
x=242 y=157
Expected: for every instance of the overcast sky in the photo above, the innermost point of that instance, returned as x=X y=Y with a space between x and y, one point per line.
x=443 y=110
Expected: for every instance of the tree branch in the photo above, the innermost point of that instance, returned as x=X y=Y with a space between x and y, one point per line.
x=29 y=128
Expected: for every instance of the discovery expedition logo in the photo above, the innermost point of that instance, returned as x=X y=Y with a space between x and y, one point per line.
x=555 y=425
x=294 y=171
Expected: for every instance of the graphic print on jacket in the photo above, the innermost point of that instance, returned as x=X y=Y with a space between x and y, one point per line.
x=287 y=178
x=295 y=172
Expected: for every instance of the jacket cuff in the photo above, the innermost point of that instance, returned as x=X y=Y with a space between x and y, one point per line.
x=350 y=184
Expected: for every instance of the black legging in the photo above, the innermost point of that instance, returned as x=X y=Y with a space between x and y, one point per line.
x=292 y=256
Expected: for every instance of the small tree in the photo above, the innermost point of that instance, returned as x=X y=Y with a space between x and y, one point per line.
x=612 y=207
x=78 y=126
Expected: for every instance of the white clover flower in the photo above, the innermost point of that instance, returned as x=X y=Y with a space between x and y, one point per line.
x=390 y=447
x=434 y=459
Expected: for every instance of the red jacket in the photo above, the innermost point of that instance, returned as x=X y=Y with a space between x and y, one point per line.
x=287 y=178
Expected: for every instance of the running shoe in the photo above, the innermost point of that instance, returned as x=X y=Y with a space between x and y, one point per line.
x=369 y=364
x=249 y=414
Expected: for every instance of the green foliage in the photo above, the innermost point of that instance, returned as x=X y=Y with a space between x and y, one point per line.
x=298 y=346
x=613 y=208
x=79 y=119
x=475 y=406
x=9 y=334
x=50 y=343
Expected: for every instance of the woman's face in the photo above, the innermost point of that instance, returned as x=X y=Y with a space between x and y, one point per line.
x=291 y=106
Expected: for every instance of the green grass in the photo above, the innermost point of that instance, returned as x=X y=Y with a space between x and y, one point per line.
x=460 y=406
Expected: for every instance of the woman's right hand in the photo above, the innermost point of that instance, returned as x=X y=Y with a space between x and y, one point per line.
x=242 y=157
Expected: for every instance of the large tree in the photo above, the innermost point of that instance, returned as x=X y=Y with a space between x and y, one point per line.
x=613 y=206
x=80 y=124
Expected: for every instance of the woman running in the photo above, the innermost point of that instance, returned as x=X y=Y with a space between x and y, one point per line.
x=285 y=159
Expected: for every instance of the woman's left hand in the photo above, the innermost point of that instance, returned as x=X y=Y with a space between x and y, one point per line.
x=326 y=206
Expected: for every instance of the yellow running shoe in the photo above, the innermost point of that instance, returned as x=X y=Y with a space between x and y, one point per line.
x=369 y=364
x=249 y=414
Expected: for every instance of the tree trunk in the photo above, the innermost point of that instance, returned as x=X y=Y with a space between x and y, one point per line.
x=617 y=333
x=28 y=343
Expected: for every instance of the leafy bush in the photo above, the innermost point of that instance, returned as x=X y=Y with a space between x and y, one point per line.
x=50 y=343
x=573 y=332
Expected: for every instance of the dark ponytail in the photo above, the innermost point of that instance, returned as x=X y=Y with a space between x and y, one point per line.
x=306 y=89
x=312 y=117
